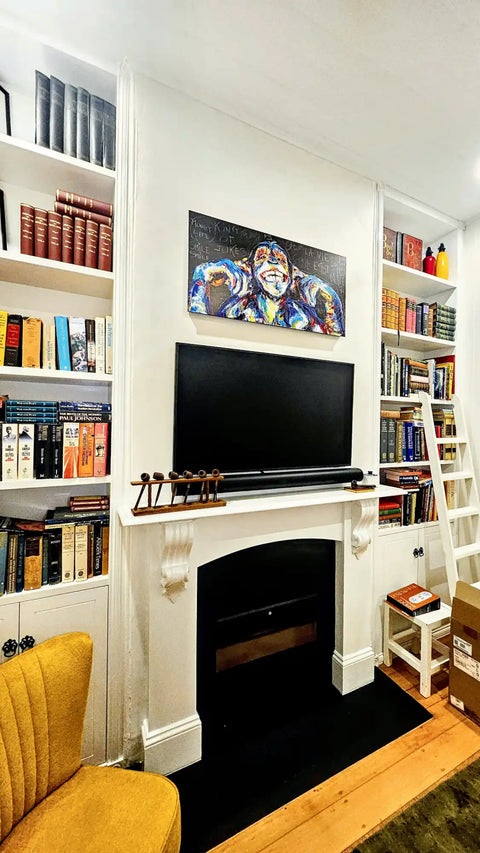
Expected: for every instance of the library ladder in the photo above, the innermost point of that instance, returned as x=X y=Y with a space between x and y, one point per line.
x=467 y=504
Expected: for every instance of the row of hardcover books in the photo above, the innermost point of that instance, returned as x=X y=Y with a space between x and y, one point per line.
x=65 y=547
x=70 y=234
x=401 y=376
x=70 y=120
x=43 y=444
x=67 y=343
x=402 y=248
x=402 y=435
x=411 y=508
x=405 y=314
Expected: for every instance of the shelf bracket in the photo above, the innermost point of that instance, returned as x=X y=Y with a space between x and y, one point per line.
x=364 y=514
x=177 y=544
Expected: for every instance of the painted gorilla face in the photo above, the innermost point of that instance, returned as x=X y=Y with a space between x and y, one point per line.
x=270 y=268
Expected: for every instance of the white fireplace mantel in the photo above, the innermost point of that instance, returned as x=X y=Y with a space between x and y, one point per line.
x=172 y=546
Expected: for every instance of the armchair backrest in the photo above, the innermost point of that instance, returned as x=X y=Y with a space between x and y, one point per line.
x=43 y=697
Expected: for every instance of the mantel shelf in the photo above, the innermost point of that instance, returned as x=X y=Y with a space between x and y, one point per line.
x=243 y=505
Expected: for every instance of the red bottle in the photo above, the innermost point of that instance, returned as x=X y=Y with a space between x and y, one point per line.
x=429 y=262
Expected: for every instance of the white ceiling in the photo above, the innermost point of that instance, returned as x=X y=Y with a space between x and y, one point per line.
x=388 y=88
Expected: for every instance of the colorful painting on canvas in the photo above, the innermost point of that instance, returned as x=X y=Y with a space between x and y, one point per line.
x=243 y=274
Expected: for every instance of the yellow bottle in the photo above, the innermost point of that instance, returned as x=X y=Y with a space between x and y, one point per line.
x=441 y=266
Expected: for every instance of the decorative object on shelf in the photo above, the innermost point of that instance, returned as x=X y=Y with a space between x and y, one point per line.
x=360 y=487
x=189 y=479
x=429 y=262
x=242 y=274
x=441 y=265
x=5 y=123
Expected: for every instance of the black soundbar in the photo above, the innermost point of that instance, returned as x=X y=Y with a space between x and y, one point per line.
x=288 y=478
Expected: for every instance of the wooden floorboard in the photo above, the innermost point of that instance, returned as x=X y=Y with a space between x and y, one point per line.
x=341 y=811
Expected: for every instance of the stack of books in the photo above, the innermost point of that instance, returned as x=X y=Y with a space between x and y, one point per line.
x=406 y=314
x=65 y=343
x=70 y=120
x=390 y=512
x=402 y=436
x=45 y=440
x=443 y=322
x=78 y=231
x=402 y=377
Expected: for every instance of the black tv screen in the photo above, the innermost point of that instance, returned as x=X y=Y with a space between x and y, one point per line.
x=242 y=411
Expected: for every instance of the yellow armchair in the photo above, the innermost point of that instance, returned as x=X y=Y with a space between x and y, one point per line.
x=49 y=803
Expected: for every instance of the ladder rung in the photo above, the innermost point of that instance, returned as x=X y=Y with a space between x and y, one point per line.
x=467 y=550
x=452 y=439
x=457 y=475
x=462 y=512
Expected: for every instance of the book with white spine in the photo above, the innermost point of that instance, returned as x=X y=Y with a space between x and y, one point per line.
x=100 y=344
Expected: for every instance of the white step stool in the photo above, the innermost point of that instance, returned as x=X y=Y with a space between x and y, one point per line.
x=431 y=626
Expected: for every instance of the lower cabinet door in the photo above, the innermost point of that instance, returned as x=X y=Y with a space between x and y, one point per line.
x=61 y=613
x=8 y=631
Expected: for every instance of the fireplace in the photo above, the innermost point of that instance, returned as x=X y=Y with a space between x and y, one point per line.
x=265 y=638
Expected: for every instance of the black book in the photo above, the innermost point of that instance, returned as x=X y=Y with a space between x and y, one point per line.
x=54 y=556
x=42 y=451
x=42 y=109
x=13 y=341
x=57 y=107
x=57 y=452
x=83 y=124
x=109 y=134
x=3 y=224
x=96 y=130
x=19 y=577
x=97 y=548
x=70 y=121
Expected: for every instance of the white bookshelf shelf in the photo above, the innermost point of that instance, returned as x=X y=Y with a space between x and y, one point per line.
x=15 y=485
x=67 y=377
x=54 y=589
x=415 y=282
x=418 y=343
x=26 y=164
x=414 y=398
x=384 y=531
x=423 y=462
x=54 y=275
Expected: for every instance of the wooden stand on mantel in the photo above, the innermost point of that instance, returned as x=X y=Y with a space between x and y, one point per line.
x=202 y=502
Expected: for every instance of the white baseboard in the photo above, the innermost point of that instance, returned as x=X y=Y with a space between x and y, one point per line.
x=172 y=747
x=349 y=672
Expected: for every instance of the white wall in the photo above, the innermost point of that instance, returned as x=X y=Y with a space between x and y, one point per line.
x=193 y=157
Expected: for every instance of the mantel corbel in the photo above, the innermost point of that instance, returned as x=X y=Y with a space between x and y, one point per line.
x=364 y=515
x=177 y=545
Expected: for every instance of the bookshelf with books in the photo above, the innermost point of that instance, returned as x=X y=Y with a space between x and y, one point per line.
x=56 y=332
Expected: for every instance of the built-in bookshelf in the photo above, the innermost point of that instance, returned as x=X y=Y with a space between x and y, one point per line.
x=43 y=288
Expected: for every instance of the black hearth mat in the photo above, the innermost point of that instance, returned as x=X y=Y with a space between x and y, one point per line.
x=235 y=788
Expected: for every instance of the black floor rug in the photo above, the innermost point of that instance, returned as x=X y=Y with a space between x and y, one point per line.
x=250 y=778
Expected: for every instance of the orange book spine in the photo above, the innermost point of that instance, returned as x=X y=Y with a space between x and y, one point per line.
x=86 y=448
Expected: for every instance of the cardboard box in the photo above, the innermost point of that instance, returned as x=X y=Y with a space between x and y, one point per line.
x=464 y=682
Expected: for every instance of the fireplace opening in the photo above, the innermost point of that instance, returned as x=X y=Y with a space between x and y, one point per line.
x=265 y=639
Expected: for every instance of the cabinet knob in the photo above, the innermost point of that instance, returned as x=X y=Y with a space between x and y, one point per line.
x=27 y=642
x=416 y=552
x=9 y=648
x=421 y=552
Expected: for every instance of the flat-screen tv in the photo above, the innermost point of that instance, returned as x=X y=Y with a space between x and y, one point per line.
x=257 y=415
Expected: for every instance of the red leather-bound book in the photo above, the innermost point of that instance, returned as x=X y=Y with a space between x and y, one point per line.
x=91 y=244
x=92 y=204
x=41 y=233
x=67 y=239
x=70 y=210
x=79 y=241
x=27 y=214
x=412 y=252
x=54 y=236
x=105 y=248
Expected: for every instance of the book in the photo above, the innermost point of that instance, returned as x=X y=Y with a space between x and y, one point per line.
x=33 y=561
x=105 y=248
x=27 y=215
x=108 y=344
x=63 y=343
x=70 y=450
x=67 y=239
x=78 y=343
x=54 y=544
x=79 y=241
x=100 y=451
x=3 y=335
x=54 y=243
x=389 y=240
x=70 y=121
x=9 y=452
x=3 y=559
x=87 y=203
x=19 y=574
x=42 y=450
x=96 y=130
x=12 y=555
x=31 y=341
x=100 y=344
x=109 y=135
x=3 y=222
x=86 y=449
x=57 y=106
x=48 y=347
x=414 y=600
x=412 y=252
x=40 y=230
x=13 y=341
x=91 y=244
x=42 y=109
x=105 y=548
x=70 y=210
x=57 y=451
x=81 y=552
x=68 y=553
x=83 y=124
x=26 y=435
x=90 y=338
